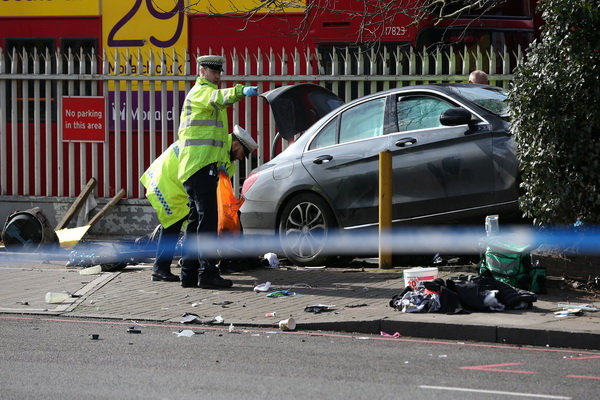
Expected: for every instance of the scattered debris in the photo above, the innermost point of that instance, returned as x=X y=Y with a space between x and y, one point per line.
x=287 y=324
x=132 y=329
x=394 y=335
x=186 y=333
x=189 y=318
x=222 y=303
x=55 y=298
x=569 y=312
x=94 y=336
x=271 y=260
x=23 y=303
x=281 y=293
x=97 y=269
x=263 y=287
x=583 y=307
x=318 y=308
x=271 y=314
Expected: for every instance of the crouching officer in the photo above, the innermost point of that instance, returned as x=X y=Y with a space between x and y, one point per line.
x=170 y=202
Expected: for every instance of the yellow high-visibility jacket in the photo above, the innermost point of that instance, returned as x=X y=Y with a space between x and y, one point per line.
x=164 y=190
x=203 y=129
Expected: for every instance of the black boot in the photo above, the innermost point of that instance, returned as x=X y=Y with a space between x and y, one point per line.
x=189 y=275
x=212 y=279
x=164 y=276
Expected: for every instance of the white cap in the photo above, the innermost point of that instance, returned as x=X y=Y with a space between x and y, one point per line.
x=211 y=61
x=245 y=139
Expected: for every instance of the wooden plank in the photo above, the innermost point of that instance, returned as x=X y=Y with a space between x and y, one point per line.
x=77 y=204
x=107 y=207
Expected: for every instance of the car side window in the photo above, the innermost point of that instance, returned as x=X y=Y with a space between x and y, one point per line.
x=420 y=112
x=327 y=136
x=363 y=121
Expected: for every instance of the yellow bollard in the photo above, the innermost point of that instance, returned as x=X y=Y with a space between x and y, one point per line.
x=385 y=209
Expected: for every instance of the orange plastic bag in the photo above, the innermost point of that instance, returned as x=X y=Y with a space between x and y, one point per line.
x=228 y=206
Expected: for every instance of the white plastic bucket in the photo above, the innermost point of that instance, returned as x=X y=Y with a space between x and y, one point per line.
x=414 y=276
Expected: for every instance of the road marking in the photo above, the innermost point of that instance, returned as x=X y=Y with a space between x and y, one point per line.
x=583 y=376
x=520 y=394
x=491 y=367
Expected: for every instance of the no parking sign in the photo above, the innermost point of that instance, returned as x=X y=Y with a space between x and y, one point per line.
x=83 y=119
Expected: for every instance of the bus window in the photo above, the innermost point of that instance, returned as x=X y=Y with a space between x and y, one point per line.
x=82 y=49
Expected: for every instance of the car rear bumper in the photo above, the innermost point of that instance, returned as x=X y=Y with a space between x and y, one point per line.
x=258 y=217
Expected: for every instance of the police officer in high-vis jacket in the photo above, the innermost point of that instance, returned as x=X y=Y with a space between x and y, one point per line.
x=205 y=145
x=169 y=199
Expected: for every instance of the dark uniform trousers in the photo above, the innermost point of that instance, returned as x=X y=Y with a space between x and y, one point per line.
x=201 y=188
x=167 y=242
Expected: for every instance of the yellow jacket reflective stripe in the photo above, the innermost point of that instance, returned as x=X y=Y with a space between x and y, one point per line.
x=164 y=191
x=203 y=134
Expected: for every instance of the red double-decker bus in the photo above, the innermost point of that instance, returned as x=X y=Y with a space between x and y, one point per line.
x=91 y=29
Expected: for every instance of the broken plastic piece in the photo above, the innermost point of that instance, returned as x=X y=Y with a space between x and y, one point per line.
x=281 y=293
x=189 y=318
x=318 y=308
x=97 y=269
x=263 y=287
x=569 y=311
x=395 y=335
x=214 y=320
x=584 y=307
x=54 y=298
x=271 y=314
x=186 y=333
x=222 y=303
x=132 y=329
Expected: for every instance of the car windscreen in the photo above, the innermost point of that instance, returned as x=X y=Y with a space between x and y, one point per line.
x=493 y=99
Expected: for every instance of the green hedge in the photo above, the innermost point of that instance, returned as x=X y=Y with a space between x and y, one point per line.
x=555 y=110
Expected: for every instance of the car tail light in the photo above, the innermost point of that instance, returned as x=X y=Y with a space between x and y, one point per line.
x=249 y=182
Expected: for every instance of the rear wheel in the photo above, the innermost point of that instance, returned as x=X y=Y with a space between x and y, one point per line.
x=304 y=227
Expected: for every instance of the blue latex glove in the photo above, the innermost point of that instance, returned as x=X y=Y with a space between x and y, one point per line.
x=250 y=91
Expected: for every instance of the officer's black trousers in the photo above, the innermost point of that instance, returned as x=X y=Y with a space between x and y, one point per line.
x=202 y=222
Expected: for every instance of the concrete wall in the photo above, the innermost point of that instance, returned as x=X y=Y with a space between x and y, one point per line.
x=128 y=219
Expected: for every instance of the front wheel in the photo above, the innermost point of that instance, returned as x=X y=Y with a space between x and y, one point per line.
x=304 y=227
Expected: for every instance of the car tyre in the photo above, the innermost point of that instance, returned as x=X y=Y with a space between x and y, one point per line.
x=305 y=224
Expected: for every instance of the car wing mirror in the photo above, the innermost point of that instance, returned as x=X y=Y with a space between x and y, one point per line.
x=455 y=116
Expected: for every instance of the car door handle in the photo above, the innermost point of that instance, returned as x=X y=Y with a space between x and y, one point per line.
x=406 y=142
x=323 y=159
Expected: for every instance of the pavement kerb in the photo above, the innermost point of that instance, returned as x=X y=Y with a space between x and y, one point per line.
x=425 y=330
x=129 y=292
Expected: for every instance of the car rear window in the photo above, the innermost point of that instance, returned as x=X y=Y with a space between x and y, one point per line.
x=493 y=99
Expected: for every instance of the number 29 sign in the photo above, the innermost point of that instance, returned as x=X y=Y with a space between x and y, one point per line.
x=148 y=25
